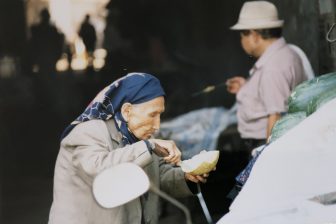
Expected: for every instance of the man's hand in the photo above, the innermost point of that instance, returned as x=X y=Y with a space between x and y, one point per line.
x=234 y=84
x=168 y=150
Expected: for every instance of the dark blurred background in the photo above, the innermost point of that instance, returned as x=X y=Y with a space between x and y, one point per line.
x=47 y=79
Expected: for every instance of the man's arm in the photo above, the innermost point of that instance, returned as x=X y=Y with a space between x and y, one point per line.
x=272 y=118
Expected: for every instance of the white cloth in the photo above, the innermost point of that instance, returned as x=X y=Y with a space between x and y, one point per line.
x=296 y=167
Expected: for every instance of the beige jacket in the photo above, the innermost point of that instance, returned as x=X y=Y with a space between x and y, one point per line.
x=92 y=147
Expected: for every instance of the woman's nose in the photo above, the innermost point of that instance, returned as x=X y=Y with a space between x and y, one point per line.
x=156 y=124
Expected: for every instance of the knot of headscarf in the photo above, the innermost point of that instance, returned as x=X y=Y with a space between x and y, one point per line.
x=133 y=88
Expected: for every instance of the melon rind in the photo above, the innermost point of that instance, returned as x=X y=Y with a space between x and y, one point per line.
x=202 y=163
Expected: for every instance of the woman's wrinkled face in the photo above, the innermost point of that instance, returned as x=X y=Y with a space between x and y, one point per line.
x=144 y=119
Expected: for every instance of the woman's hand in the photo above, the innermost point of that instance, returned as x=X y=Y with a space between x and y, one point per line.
x=234 y=84
x=167 y=149
x=197 y=178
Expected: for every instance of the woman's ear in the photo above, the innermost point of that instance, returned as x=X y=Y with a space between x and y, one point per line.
x=126 y=111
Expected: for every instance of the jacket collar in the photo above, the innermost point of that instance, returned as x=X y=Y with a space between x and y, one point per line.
x=114 y=133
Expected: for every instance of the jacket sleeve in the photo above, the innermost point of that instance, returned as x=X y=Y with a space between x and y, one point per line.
x=92 y=152
x=172 y=180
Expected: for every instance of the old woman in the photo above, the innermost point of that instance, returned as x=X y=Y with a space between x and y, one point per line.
x=117 y=127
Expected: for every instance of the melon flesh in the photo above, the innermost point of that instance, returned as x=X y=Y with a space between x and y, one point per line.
x=202 y=163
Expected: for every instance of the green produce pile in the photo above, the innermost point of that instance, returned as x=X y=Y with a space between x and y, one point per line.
x=319 y=101
x=305 y=99
x=285 y=123
x=309 y=91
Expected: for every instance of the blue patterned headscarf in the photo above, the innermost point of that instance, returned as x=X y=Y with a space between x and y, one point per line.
x=133 y=88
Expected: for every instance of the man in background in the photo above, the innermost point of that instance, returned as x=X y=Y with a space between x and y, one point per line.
x=88 y=33
x=45 y=46
x=262 y=97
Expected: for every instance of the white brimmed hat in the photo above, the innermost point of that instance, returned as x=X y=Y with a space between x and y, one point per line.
x=258 y=15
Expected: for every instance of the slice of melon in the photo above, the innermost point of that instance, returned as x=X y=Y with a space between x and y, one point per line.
x=202 y=163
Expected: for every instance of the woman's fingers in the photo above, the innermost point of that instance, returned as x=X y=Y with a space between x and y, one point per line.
x=174 y=154
x=196 y=178
x=174 y=157
x=191 y=178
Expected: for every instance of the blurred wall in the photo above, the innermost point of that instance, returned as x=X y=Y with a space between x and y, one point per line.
x=327 y=50
x=301 y=27
x=12 y=27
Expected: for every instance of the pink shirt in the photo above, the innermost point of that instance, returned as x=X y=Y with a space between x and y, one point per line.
x=271 y=81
